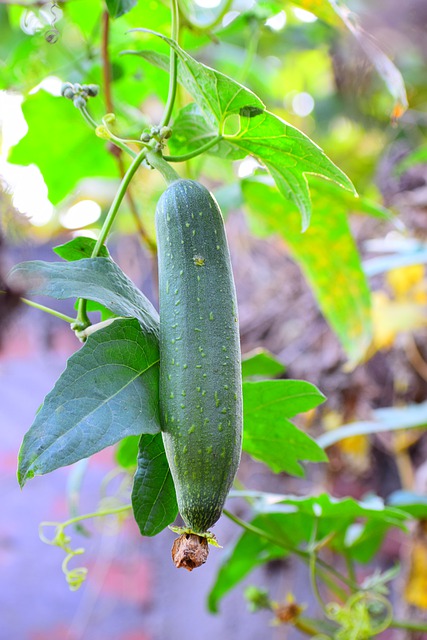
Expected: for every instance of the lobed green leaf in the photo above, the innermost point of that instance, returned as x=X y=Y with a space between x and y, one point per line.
x=268 y=435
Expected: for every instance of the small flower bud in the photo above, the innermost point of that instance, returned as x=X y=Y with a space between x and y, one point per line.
x=109 y=118
x=79 y=102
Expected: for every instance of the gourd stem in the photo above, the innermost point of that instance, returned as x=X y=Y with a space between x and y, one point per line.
x=158 y=162
x=195 y=153
x=173 y=66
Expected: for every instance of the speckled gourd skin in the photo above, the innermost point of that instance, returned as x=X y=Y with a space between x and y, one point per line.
x=200 y=368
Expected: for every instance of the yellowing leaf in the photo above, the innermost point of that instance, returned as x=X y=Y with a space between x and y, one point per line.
x=405 y=282
x=355 y=448
x=392 y=317
x=416 y=586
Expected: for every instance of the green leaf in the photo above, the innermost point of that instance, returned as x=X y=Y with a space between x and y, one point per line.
x=268 y=435
x=117 y=8
x=293 y=520
x=127 y=451
x=286 y=152
x=418 y=156
x=191 y=130
x=288 y=155
x=108 y=391
x=326 y=252
x=153 y=494
x=388 y=419
x=98 y=279
x=61 y=144
x=78 y=249
x=260 y=363
x=414 y=504
x=249 y=552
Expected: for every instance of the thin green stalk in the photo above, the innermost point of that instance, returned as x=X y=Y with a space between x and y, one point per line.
x=109 y=220
x=97 y=514
x=86 y=115
x=82 y=318
x=305 y=555
x=173 y=66
x=313 y=580
x=195 y=153
x=251 y=50
x=350 y=567
x=407 y=624
x=48 y=310
x=113 y=139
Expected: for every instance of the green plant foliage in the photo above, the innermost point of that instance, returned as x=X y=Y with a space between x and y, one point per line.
x=127 y=451
x=153 y=494
x=286 y=152
x=79 y=248
x=261 y=364
x=72 y=145
x=413 y=503
x=268 y=435
x=119 y=365
x=291 y=521
x=326 y=253
x=117 y=8
x=98 y=279
x=249 y=552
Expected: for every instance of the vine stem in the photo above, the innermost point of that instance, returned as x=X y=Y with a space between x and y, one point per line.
x=305 y=555
x=48 y=310
x=408 y=625
x=196 y=152
x=86 y=516
x=173 y=66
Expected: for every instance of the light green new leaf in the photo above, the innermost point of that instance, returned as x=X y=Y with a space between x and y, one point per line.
x=67 y=151
x=268 y=435
x=109 y=390
x=326 y=252
x=127 y=452
x=153 y=494
x=117 y=8
x=98 y=279
x=286 y=152
x=78 y=249
x=260 y=363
